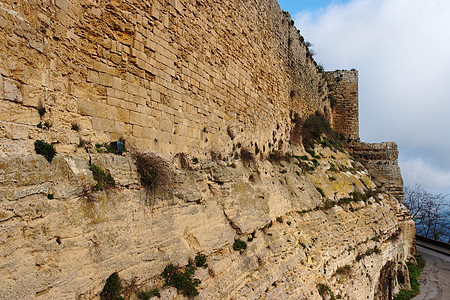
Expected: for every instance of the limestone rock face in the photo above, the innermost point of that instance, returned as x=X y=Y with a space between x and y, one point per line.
x=301 y=228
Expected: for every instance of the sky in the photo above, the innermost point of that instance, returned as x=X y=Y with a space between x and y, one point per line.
x=401 y=49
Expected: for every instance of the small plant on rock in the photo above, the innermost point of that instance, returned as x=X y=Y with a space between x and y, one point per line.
x=75 y=126
x=246 y=156
x=41 y=109
x=113 y=288
x=103 y=178
x=239 y=245
x=200 y=261
x=321 y=192
x=182 y=280
x=45 y=149
x=325 y=292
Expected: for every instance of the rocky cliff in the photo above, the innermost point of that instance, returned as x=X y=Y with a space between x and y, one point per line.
x=328 y=225
x=217 y=92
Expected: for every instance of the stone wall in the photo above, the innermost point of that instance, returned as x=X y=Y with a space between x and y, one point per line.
x=167 y=76
x=343 y=94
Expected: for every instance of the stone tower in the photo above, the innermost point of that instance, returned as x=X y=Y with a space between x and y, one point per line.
x=343 y=93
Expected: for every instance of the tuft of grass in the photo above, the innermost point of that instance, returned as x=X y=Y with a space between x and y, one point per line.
x=239 y=245
x=246 y=156
x=103 y=178
x=41 y=109
x=277 y=157
x=75 y=126
x=154 y=171
x=345 y=270
x=325 y=292
x=44 y=149
x=113 y=288
x=368 y=253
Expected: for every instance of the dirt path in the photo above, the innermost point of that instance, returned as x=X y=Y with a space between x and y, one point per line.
x=435 y=278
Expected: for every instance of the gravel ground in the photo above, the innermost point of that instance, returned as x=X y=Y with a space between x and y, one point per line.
x=435 y=278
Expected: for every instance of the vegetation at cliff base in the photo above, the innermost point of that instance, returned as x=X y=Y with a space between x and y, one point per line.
x=414 y=269
x=147 y=295
x=45 y=150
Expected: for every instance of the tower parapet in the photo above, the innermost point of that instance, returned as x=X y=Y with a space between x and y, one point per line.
x=343 y=93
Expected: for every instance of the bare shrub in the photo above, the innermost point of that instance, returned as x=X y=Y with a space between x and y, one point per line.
x=155 y=173
x=87 y=194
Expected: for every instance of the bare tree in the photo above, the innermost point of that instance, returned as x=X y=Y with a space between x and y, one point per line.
x=429 y=211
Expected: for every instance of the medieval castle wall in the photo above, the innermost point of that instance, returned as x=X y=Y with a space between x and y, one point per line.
x=166 y=76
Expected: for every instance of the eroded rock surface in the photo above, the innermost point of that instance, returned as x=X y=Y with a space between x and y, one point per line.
x=66 y=247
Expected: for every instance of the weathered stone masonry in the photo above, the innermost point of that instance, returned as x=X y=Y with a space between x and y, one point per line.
x=167 y=76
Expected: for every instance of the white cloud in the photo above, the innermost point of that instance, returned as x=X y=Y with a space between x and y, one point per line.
x=402 y=51
x=418 y=171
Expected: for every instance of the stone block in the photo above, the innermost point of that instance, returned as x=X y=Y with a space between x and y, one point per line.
x=105 y=79
x=123 y=115
x=85 y=107
x=103 y=125
x=100 y=109
x=12 y=90
x=92 y=76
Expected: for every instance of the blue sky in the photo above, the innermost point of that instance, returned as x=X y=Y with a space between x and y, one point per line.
x=401 y=50
x=295 y=6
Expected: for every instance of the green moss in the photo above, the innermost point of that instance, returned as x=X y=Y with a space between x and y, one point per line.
x=45 y=150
